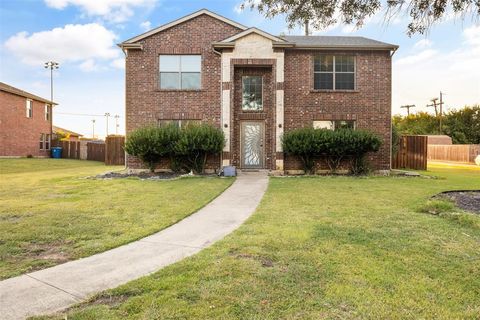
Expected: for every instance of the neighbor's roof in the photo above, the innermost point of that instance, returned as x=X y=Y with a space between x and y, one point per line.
x=55 y=129
x=338 y=42
x=5 y=87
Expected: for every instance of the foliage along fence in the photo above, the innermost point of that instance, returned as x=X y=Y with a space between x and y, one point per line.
x=457 y=152
x=111 y=152
x=411 y=154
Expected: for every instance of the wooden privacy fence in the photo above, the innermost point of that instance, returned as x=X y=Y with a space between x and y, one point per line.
x=96 y=151
x=111 y=151
x=411 y=154
x=70 y=149
x=114 y=152
x=456 y=152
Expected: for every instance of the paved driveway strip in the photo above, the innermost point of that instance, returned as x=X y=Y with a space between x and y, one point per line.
x=56 y=288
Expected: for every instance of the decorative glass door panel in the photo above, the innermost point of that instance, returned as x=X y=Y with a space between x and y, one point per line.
x=252 y=144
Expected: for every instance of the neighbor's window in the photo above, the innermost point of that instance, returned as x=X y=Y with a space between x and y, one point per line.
x=29 y=109
x=252 y=99
x=47 y=142
x=180 y=71
x=42 y=141
x=334 y=72
x=178 y=123
x=334 y=124
x=47 y=112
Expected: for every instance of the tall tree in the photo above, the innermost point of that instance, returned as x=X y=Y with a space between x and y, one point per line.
x=323 y=13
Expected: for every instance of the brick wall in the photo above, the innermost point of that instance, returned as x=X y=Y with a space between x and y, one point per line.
x=369 y=105
x=145 y=103
x=19 y=135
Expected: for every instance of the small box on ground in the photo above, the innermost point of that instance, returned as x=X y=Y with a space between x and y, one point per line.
x=229 y=171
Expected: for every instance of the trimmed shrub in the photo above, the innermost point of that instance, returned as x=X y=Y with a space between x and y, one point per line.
x=151 y=144
x=309 y=144
x=302 y=143
x=196 y=143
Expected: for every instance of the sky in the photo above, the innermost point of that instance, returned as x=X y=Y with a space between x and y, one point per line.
x=82 y=35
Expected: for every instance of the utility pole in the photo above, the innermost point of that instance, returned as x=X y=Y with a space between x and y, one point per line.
x=434 y=104
x=408 y=108
x=116 y=124
x=307 y=31
x=441 y=110
x=93 y=128
x=106 y=116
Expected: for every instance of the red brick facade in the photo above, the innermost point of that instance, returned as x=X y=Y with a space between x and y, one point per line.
x=369 y=104
x=20 y=135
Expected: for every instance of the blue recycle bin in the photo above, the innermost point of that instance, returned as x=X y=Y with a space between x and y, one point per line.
x=57 y=152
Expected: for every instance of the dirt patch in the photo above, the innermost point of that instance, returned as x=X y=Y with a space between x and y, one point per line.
x=48 y=251
x=106 y=299
x=267 y=263
x=468 y=200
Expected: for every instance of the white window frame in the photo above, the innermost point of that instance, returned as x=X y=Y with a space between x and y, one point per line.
x=47 y=112
x=334 y=72
x=332 y=126
x=29 y=108
x=180 y=123
x=42 y=141
x=180 y=72
x=259 y=110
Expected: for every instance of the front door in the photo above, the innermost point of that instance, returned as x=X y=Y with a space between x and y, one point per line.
x=252 y=151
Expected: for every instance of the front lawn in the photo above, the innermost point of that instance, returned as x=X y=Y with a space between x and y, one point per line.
x=49 y=212
x=323 y=248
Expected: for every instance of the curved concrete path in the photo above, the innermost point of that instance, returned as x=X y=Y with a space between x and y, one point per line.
x=56 y=288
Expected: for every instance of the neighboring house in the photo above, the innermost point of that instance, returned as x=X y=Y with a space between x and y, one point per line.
x=25 y=123
x=255 y=86
x=60 y=133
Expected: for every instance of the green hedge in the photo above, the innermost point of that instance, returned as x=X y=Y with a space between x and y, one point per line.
x=187 y=148
x=311 y=144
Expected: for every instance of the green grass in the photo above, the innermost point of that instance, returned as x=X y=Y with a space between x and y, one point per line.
x=50 y=213
x=323 y=248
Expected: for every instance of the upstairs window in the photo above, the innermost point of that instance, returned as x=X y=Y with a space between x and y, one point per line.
x=29 y=109
x=47 y=112
x=178 y=123
x=334 y=124
x=334 y=72
x=252 y=99
x=180 y=72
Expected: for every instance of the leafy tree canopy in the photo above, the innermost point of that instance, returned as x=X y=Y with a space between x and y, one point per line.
x=323 y=13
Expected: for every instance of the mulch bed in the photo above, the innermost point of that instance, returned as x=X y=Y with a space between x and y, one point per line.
x=464 y=199
x=140 y=175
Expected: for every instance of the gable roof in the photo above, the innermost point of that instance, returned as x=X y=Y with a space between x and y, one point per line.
x=253 y=30
x=178 y=21
x=58 y=129
x=340 y=42
x=7 y=88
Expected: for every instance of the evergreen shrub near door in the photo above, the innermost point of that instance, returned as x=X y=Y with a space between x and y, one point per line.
x=311 y=144
x=187 y=147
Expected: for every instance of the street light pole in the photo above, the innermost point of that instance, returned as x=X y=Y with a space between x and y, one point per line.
x=116 y=124
x=93 y=129
x=51 y=65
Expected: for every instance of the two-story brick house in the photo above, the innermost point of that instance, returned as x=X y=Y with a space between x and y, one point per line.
x=255 y=86
x=25 y=123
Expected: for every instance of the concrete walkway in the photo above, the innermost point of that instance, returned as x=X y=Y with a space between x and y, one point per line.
x=56 y=288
